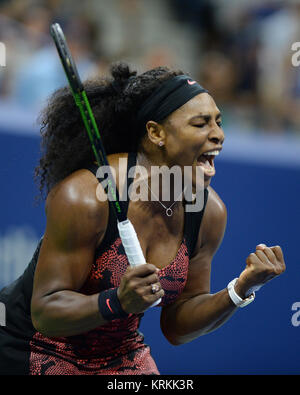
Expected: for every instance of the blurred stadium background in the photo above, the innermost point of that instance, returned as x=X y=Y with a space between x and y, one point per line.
x=241 y=52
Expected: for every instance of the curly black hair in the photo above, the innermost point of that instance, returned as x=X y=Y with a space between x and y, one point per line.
x=115 y=101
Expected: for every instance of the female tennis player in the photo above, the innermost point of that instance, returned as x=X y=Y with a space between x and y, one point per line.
x=77 y=307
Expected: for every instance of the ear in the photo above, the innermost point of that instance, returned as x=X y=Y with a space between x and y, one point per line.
x=156 y=133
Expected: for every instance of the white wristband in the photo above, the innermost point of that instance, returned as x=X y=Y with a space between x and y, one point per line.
x=235 y=297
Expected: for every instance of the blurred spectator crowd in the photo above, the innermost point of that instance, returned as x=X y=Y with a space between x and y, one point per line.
x=239 y=50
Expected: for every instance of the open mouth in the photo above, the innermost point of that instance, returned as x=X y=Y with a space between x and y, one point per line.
x=206 y=162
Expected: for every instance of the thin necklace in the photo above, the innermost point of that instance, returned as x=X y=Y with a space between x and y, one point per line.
x=168 y=210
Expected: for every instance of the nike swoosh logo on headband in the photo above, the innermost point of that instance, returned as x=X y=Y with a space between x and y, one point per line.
x=191 y=82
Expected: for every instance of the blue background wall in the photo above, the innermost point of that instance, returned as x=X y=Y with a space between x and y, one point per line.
x=263 y=206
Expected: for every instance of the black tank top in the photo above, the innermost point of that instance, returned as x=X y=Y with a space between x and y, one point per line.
x=114 y=348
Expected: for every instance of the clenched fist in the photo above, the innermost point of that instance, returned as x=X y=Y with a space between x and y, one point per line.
x=261 y=266
x=139 y=288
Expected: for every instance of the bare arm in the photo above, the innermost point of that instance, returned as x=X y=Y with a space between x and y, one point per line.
x=197 y=311
x=76 y=221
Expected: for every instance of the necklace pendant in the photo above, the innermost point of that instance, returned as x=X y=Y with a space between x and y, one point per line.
x=169 y=212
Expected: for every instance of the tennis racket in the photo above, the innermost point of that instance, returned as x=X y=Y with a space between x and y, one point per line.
x=127 y=232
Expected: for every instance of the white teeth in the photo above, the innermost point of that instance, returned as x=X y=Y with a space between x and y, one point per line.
x=215 y=153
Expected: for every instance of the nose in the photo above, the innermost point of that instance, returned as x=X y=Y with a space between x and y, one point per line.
x=216 y=135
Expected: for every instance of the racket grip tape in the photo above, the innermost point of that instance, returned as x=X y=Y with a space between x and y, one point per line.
x=132 y=246
x=131 y=243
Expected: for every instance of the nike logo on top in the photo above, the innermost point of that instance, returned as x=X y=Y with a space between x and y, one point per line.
x=191 y=82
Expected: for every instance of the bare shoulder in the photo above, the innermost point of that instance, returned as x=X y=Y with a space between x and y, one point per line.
x=214 y=221
x=72 y=204
x=215 y=208
x=78 y=190
x=77 y=206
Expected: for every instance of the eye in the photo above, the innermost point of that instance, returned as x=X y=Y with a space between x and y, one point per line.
x=200 y=125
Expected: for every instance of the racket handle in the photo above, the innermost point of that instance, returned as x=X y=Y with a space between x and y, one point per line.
x=131 y=243
x=132 y=246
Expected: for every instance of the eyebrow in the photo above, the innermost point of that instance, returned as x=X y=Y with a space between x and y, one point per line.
x=206 y=117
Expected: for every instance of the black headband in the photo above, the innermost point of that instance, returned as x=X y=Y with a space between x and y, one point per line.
x=169 y=96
